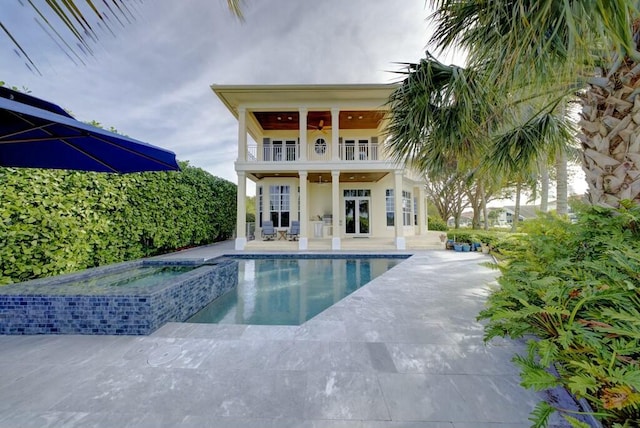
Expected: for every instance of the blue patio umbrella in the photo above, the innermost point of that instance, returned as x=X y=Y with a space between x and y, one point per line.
x=35 y=133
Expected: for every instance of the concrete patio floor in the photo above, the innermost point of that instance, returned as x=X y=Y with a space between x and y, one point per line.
x=403 y=351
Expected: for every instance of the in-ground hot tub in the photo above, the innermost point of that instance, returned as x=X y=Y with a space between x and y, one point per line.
x=132 y=298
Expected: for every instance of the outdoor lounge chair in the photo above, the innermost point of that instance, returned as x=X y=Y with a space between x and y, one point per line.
x=294 y=232
x=268 y=232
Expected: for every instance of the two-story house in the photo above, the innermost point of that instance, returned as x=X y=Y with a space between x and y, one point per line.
x=316 y=154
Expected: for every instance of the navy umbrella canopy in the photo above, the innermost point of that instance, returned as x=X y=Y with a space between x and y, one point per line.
x=38 y=134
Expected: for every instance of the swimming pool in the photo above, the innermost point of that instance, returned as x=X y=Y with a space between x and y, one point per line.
x=290 y=291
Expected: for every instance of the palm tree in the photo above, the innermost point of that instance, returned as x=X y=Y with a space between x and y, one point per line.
x=75 y=26
x=540 y=54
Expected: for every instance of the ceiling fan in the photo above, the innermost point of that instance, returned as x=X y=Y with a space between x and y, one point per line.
x=319 y=127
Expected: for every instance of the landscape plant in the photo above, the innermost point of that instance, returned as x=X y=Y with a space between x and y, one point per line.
x=574 y=291
x=54 y=222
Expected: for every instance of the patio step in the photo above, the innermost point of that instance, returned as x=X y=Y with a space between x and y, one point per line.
x=428 y=241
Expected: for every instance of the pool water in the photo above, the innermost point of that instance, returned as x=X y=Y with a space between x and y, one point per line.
x=290 y=291
x=142 y=276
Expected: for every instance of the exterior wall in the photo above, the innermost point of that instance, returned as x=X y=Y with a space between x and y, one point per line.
x=319 y=203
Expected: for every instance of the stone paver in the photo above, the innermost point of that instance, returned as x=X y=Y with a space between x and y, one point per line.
x=403 y=351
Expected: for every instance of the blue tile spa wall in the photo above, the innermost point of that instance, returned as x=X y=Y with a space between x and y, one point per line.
x=55 y=306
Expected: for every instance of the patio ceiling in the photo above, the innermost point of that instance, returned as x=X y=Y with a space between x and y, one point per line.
x=289 y=120
x=325 y=177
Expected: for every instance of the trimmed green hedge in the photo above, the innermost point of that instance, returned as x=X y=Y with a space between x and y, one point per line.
x=436 y=223
x=495 y=239
x=54 y=222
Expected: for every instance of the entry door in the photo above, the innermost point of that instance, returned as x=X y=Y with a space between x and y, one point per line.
x=356 y=214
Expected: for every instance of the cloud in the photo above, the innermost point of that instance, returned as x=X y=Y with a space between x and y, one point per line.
x=151 y=81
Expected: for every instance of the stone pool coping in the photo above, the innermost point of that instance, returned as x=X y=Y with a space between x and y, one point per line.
x=403 y=351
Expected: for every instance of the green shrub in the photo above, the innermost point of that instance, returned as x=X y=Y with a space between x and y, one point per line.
x=495 y=239
x=54 y=222
x=436 y=223
x=576 y=288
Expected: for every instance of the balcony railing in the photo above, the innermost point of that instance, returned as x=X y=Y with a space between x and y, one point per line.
x=291 y=153
x=288 y=153
x=358 y=152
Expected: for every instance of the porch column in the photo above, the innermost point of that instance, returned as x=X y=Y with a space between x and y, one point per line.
x=399 y=220
x=303 y=239
x=335 y=136
x=241 y=212
x=422 y=209
x=303 y=134
x=242 y=134
x=335 y=204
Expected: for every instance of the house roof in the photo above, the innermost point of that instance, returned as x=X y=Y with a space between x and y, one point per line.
x=276 y=107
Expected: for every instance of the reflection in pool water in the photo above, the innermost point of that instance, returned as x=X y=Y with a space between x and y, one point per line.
x=290 y=291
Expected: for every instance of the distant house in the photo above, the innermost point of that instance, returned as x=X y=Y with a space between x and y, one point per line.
x=316 y=154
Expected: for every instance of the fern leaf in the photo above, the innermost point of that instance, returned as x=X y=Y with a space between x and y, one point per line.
x=581 y=385
x=538 y=379
x=575 y=423
x=540 y=415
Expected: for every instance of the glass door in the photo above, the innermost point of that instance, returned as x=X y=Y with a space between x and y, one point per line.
x=356 y=215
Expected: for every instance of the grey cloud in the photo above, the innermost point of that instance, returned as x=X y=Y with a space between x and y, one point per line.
x=152 y=80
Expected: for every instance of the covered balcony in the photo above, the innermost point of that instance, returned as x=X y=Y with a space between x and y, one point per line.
x=356 y=150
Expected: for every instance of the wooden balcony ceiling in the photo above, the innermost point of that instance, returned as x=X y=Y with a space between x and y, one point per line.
x=289 y=120
x=325 y=177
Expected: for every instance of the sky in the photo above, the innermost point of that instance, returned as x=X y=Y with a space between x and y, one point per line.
x=152 y=80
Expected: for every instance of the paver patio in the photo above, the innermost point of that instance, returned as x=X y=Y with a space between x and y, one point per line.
x=403 y=351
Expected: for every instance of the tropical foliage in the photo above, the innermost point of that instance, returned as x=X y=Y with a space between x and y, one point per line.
x=528 y=64
x=54 y=222
x=575 y=287
x=75 y=27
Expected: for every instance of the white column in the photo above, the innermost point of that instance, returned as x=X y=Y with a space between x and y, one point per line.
x=335 y=135
x=242 y=134
x=241 y=212
x=422 y=210
x=303 y=133
x=335 y=203
x=399 y=222
x=304 y=217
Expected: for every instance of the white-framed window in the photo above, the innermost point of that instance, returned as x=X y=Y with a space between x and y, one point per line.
x=284 y=150
x=279 y=205
x=406 y=208
x=389 y=203
x=415 y=211
x=356 y=149
x=320 y=146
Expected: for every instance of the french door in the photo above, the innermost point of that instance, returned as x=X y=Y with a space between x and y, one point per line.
x=356 y=212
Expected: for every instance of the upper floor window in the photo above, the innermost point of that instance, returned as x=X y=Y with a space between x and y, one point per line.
x=320 y=146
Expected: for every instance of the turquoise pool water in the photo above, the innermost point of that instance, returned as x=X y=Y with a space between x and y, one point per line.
x=141 y=276
x=290 y=291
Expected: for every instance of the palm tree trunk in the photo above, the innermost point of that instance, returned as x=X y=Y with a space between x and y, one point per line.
x=544 y=185
x=516 y=211
x=485 y=215
x=561 y=184
x=610 y=137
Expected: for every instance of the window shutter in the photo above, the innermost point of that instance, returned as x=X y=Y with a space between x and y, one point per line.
x=374 y=140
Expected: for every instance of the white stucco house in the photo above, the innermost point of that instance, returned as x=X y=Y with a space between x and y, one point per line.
x=316 y=154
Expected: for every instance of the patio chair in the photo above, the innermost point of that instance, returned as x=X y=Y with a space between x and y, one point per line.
x=294 y=232
x=268 y=232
